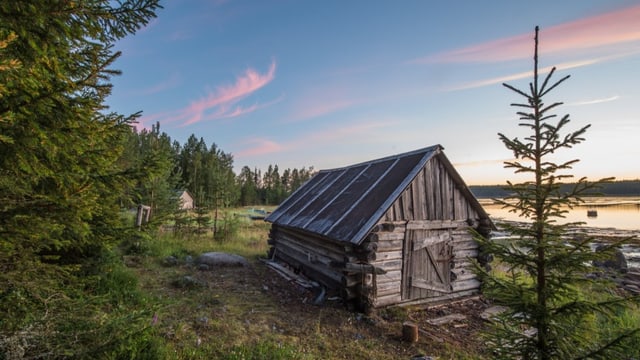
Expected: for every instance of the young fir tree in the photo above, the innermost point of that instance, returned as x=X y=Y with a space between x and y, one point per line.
x=549 y=316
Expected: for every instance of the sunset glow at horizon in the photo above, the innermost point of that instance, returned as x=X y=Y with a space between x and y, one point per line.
x=329 y=84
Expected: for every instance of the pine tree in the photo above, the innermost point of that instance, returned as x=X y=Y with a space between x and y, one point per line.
x=549 y=316
x=60 y=178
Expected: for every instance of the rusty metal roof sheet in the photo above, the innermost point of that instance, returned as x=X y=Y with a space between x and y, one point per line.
x=345 y=203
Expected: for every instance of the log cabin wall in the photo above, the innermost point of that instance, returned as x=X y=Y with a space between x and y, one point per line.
x=432 y=195
x=432 y=205
x=308 y=254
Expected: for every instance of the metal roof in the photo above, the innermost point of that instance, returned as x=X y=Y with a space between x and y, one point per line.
x=345 y=203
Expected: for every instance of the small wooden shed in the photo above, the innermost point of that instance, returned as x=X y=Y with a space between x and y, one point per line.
x=391 y=231
x=185 y=199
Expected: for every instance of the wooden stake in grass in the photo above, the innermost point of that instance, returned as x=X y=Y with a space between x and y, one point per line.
x=409 y=332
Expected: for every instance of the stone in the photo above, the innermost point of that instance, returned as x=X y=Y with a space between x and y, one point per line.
x=616 y=262
x=218 y=259
x=493 y=311
x=170 y=261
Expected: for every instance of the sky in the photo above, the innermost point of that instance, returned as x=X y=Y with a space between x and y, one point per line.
x=326 y=84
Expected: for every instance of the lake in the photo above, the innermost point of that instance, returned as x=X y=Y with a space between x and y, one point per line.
x=611 y=213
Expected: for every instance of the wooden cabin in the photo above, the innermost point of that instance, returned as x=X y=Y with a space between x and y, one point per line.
x=391 y=231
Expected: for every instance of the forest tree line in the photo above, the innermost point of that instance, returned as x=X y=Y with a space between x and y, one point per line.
x=614 y=188
x=204 y=170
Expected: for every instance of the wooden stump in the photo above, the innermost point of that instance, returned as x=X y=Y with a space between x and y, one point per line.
x=409 y=332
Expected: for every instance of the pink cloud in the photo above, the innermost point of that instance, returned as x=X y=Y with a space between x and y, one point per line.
x=613 y=28
x=221 y=103
x=520 y=75
x=225 y=96
x=258 y=147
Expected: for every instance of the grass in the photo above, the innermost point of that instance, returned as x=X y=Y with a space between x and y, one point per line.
x=622 y=315
x=249 y=313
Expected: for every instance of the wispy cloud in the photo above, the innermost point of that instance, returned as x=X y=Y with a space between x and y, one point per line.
x=521 y=75
x=595 y=101
x=259 y=146
x=222 y=102
x=613 y=28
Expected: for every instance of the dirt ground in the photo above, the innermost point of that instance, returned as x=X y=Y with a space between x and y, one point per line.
x=333 y=325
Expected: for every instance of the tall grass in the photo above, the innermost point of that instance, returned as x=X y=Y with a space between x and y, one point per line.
x=622 y=315
x=248 y=239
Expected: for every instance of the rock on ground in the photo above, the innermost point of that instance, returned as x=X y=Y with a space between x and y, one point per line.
x=213 y=259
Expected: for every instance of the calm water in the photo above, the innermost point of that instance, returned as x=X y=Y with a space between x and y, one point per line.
x=612 y=212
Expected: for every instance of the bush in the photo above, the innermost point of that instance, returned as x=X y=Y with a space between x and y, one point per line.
x=94 y=311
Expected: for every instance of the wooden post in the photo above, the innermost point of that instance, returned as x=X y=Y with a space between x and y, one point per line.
x=409 y=332
x=142 y=217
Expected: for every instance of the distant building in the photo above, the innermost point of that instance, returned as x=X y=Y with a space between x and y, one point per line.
x=185 y=200
x=385 y=232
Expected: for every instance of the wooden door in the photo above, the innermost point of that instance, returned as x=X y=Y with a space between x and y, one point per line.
x=427 y=263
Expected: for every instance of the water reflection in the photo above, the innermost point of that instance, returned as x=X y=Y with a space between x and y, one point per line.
x=611 y=212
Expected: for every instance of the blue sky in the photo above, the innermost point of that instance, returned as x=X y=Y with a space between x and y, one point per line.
x=331 y=83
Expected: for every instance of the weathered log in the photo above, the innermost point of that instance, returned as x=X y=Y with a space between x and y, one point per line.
x=384 y=236
x=357 y=268
x=465 y=285
x=435 y=224
x=366 y=247
x=388 y=265
x=473 y=253
x=351 y=280
x=310 y=243
x=396 y=299
x=313 y=254
x=388 y=255
x=330 y=245
x=392 y=299
x=387 y=288
x=384 y=226
x=363 y=257
x=288 y=274
x=349 y=293
x=464 y=244
x=317 y=272
x=390 y=245
x=463 y=274
x=394 y=276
